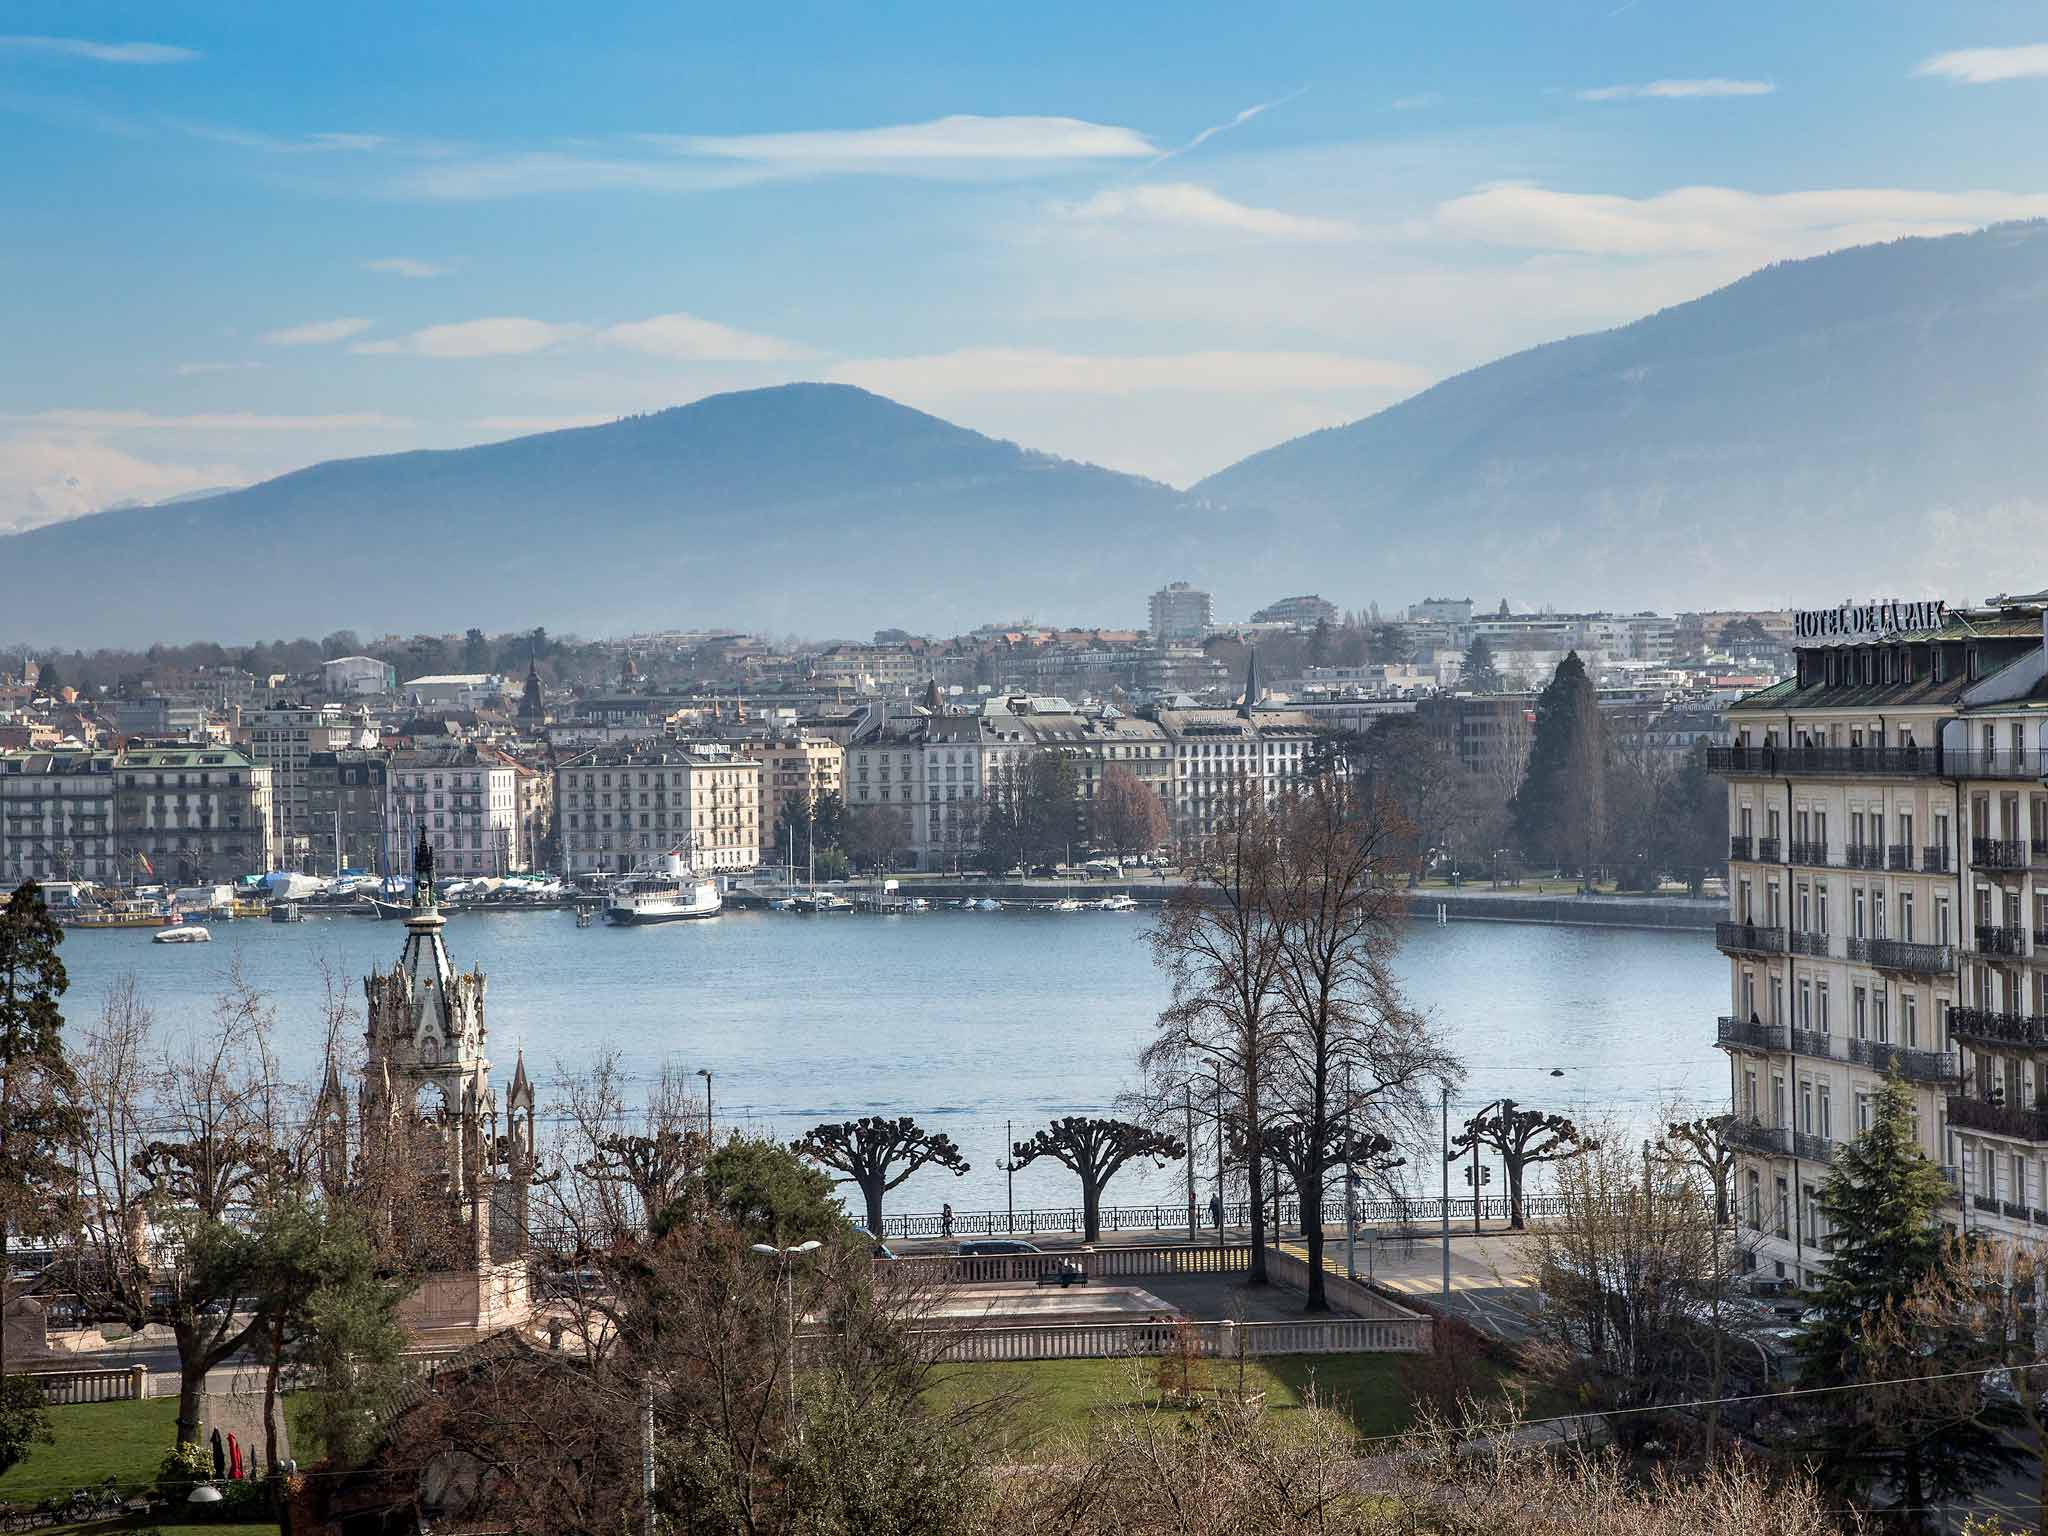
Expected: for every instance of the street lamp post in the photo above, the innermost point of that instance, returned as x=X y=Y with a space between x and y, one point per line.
x=710 y=1125
x=782 y=1256
x=1446 y=1212
x=1008 y=1164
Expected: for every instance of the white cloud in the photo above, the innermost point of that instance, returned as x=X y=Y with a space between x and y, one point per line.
x=315 y=332
x=1236 y=120
x=1986 y=66
x=497 y=336
x=907 y=149
x=686 y=338
x=1678 y=90
x=1033 y=370
x=48 y=477
x=403 y=266
x=207 y=421
x=1693 y=219
x=186 y=370
x=102 y=53
x=1186 y=203
x=305 y=144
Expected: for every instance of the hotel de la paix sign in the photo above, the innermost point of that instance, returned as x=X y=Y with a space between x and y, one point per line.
x=1866 y=621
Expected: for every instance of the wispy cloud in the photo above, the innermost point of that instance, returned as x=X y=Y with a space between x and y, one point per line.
x=1188 y=204
x=186 y=370
x=946 y=145
x=99 y=53
x=403 y=266
x=1236 y=120
x=207 y=421
x=686 y=338
x=1987 y=66
x=496 y=336
x=298 y=144
x=315 y=332
x=1712 y=219
x=1677 y=90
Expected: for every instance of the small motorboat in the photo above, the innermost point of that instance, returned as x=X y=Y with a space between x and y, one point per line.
x=988 y=904
x=1117 y=903
x=182 y=933
x=1066 y=904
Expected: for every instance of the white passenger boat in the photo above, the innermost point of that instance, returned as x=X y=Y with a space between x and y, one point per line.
x=183 y=933
x=670 y=896
x=1066 y=904
x=1117 y=903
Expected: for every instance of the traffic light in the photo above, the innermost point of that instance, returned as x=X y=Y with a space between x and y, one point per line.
x=1485 y=1175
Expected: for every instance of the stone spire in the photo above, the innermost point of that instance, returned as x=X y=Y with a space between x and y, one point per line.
x=531 y=706
x=1251 y=683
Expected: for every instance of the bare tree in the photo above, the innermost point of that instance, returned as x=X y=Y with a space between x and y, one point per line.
x=1126 y=815
x=1701 y=1144
x=870 y=1151
x=1219 y=943
x=1351 y=1057
x=1096 y=1149
x=1519 y=1137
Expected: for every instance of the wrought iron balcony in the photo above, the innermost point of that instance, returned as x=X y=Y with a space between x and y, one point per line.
x=1811 y=1042
x=1899 y=857
x=1814 y=944
x=1740 y=848
x=1934 y=861
x=1919 y=959
x=2000 y=853
x=1866 y=856
x=1815 y=1149
x=1985 y=1203
x=1995 y=940
x=2014 y=1209
x=1995 y=1028
x=1815 y=854
x=1914 y=1066
x=1767 y=850
x=1749 y=939
x=1824 y=762
x=1755 y=1136
x=1997 y=763
x=1752 y=1034
x=2040 y=939
x=1973 y=1114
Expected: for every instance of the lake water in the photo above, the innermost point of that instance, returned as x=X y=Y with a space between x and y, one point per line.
x=961 y=1019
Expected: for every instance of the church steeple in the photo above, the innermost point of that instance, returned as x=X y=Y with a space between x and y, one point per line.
x=1251 y=683
x=531 y=706
x=423 y=897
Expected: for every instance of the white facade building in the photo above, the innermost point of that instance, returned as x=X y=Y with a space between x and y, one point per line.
x=622 y=809
x=465 y=799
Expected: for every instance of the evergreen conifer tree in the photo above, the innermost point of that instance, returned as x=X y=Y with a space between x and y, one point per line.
x=1560 y=812
x=1479 y=673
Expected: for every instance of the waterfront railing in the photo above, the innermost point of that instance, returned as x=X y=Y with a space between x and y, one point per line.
x=1390 y=1212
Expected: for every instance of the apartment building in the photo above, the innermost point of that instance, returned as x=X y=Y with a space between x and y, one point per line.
x=193 y=815
x=802 y=765
x=623 y=808
x=1888 y=911
x=57 y=816
x=465 y=799
x=283 y=739
x=348 y=808
x=1178 y=611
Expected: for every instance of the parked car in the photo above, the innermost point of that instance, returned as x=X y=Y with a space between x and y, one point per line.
x=996 y=1248
x=878 y=1248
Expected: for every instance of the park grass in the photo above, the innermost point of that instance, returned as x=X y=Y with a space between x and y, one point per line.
x=1040 y=1402
x=126 y=1441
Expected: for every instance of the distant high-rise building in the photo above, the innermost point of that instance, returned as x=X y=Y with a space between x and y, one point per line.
x=1180 y=612
x=1306 y=611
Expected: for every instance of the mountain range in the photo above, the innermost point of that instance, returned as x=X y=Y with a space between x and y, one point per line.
x=1866 y=422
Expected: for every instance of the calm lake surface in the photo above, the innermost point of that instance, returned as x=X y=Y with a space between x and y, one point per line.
x=963 y=1019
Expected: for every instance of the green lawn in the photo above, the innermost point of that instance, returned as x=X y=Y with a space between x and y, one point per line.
x=95 y=1441
x=1052 y=1397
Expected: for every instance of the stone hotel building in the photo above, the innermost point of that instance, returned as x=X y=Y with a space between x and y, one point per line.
x=1888 y=912
x=621 y=809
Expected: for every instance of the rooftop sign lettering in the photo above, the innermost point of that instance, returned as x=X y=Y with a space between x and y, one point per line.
x=1867 y=621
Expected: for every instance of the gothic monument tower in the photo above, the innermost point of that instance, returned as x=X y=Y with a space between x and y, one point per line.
x=426 y=1078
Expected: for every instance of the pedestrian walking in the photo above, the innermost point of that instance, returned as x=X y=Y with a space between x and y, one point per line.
x=945 y=1221
x=220 y=1455
x=1216 y=1212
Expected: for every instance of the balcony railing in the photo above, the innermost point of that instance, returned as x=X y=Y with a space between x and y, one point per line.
x=1920 y=959
x=1997 y=763
x=1749 y=939
x=2015 y=1209
x=1899 y=857
x=2040 y=939
x=1753 y=1035
x=1740 y=848
x=1767 y=850
x=1755 y=1136
x=1815 y=1149
x=1998 y=853
x=1933 y=861
x=1995 y=940
x=1865 y=856
x=1824 y=762
x=1814 y=944
x=1811 y=1042
x=1815 y=854
x=1971 y=1114
x=1914 y=1066
x=1998 y=1028
x=1985 y=1203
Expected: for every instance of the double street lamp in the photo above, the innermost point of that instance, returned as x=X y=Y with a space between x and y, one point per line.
x=782 y=1256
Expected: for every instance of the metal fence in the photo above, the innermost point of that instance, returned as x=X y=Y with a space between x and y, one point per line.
x=1057 y=1220
x=1219 y=1340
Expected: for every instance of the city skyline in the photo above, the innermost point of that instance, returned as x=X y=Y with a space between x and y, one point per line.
x=1150 y=242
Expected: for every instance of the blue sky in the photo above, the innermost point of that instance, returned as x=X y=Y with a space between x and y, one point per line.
x=243 y=238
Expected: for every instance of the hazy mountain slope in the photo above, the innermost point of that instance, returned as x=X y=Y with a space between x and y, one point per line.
x=1870 y=420
x=815 y=508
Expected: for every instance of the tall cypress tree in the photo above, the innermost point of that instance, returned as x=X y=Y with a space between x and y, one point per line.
x=1560 y=812
x=1480 y=673
x=1882 y=1200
